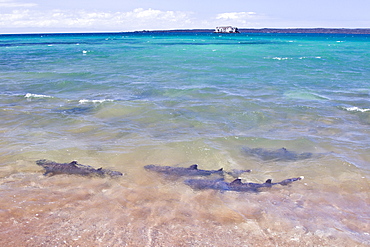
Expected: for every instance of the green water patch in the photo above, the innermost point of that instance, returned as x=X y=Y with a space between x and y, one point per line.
x=304 y=95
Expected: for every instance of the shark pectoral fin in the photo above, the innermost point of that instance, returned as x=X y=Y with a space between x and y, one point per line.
x=48 y=173
x=237 y=181
x=268 y=181
x=194 y=167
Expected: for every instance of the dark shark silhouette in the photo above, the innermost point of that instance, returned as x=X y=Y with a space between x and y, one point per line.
x=216 y=184
x=53 y=168
x=183 y=171
x=281 y=154
x=236 y=185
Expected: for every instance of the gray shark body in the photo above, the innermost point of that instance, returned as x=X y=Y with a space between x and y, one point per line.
x=236 y=185
x=53 y=168
x=183 y=171
x=203 y=184
x=281 y=154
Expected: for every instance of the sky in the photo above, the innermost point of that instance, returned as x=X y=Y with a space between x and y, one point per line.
x=28 y=16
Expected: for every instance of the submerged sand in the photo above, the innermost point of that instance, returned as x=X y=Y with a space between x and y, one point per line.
x=146 y=209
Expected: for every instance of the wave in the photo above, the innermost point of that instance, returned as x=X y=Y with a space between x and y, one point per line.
x=84 y=101
x=31 y=95
x=281 y=58
x=291 y=58
x=355 y=108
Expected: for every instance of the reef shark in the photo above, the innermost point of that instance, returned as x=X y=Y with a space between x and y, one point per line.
x=236 y=185
x=52 y=168
x=281 y=154
x=183 y=171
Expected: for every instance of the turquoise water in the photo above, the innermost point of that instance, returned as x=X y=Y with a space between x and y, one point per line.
x=126 y=100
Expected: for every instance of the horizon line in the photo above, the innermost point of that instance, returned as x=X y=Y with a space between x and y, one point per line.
x=340 y=30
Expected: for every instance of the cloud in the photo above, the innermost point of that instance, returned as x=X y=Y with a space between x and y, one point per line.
x=236 y=16
x=132 y=20
x=57 y=20
x=242 y=19
x=13 y=4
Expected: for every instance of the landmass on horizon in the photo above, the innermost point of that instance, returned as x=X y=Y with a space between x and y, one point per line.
x=278 y=30
x=241 y=30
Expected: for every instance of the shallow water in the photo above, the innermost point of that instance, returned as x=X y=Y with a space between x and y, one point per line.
x=123 y=101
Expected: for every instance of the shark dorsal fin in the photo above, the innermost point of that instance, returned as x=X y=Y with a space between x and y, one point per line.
x=74 y=163
x=237 y=181
x=268 y=181
x=194 y=167
x=220 y=170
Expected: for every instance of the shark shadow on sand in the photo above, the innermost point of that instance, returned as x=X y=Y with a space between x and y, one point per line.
x=53 y=168
x=236 y=185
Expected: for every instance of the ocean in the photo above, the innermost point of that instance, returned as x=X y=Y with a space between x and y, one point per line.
x=122 y=101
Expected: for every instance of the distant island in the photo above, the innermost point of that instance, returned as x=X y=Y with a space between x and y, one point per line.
x=277 y=30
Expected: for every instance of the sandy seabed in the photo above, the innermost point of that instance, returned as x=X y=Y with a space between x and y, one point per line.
x=145 y=209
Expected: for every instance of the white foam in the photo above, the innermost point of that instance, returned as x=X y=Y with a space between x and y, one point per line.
x=84 y=101
x=31 y=95
x=355 y=108
x=280 y=58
